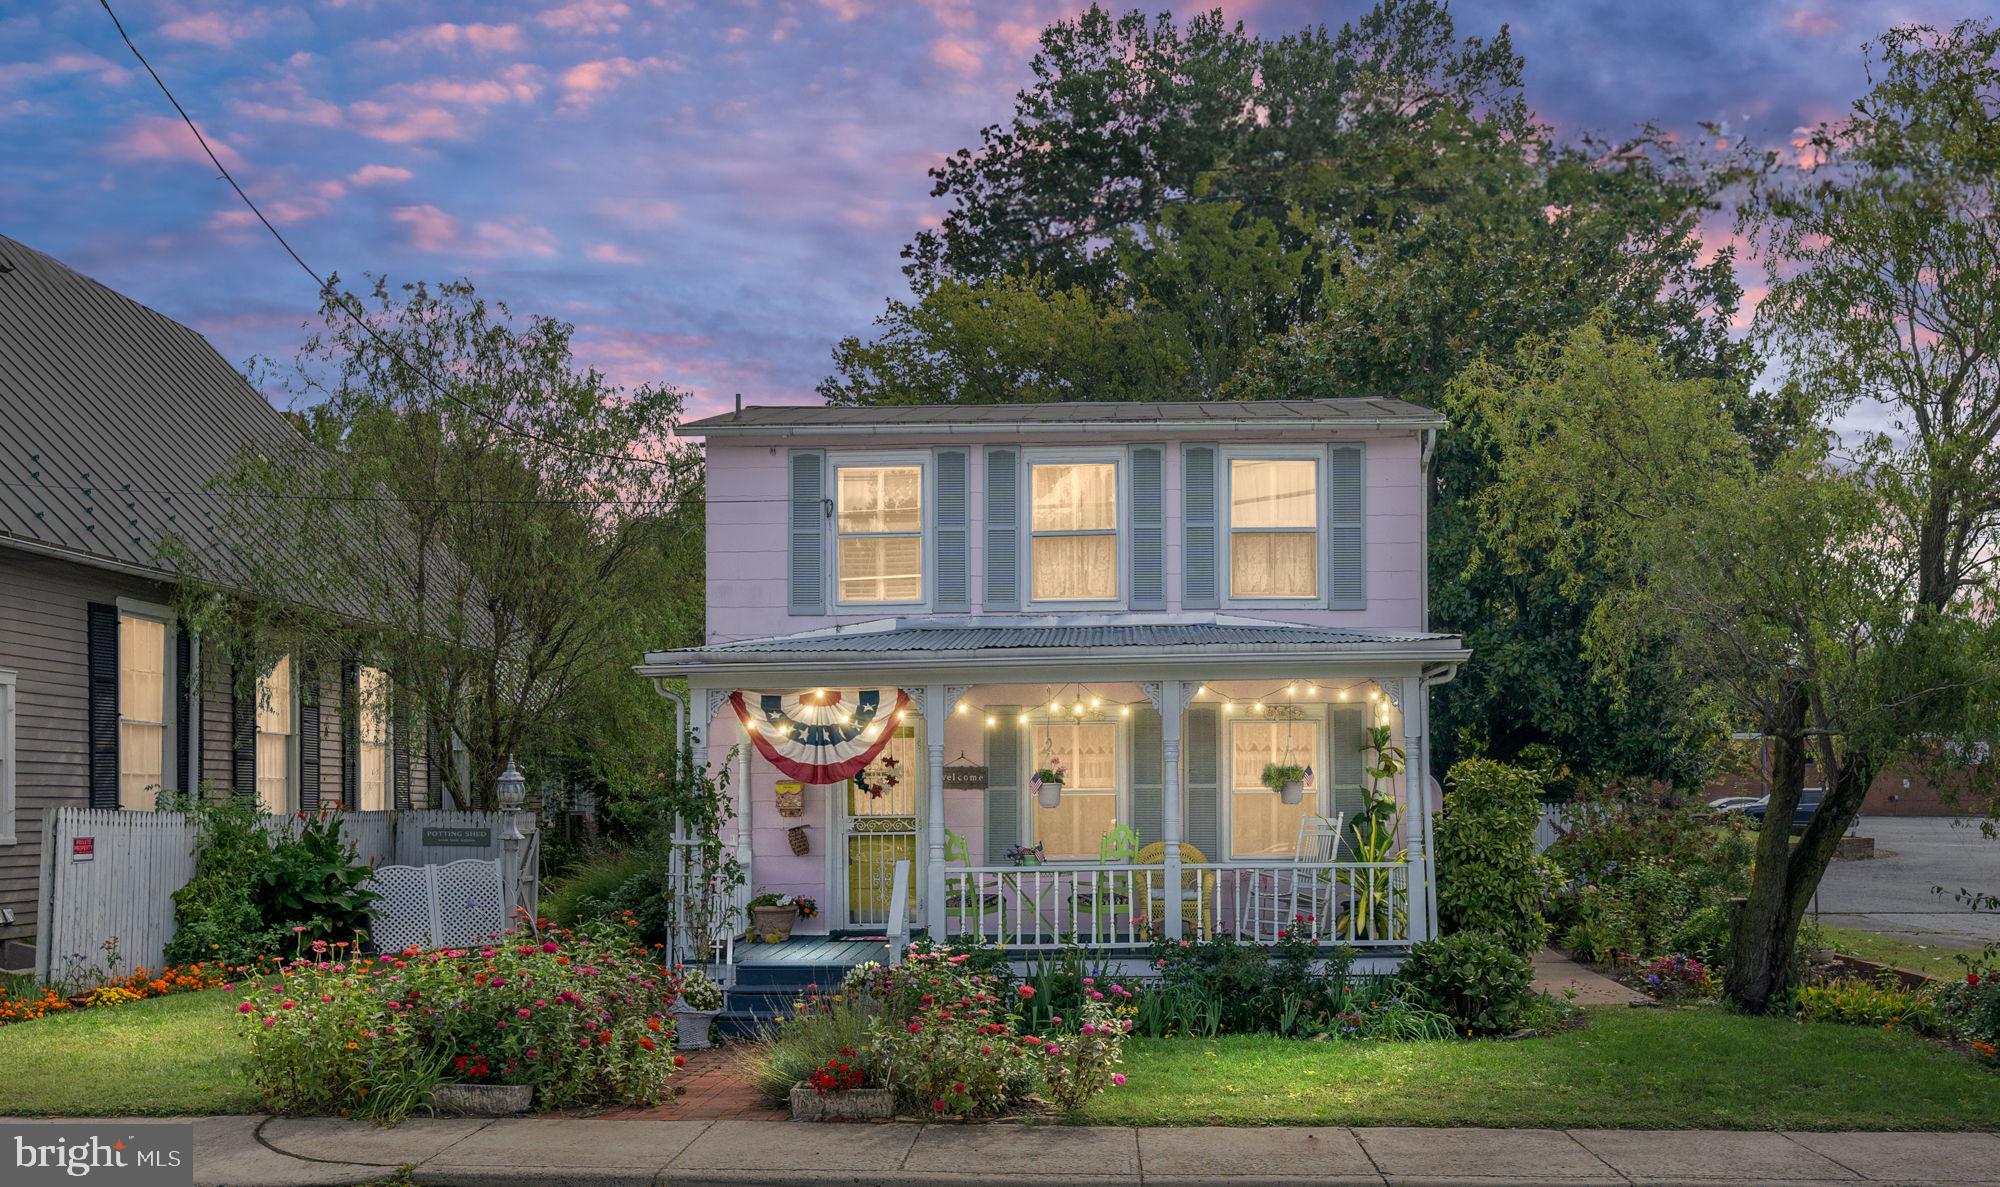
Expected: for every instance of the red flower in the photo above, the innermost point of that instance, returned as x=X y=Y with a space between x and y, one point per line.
x=1972 y=978
x=1026 y=992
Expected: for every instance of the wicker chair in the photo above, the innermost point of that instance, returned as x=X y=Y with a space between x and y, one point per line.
x=1197 y=886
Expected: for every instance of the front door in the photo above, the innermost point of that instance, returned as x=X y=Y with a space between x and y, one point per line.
x=878 y=828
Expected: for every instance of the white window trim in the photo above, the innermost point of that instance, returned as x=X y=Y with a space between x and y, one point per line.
x=388 y=742
x=294 y=747
x=1121 y=774
x=170 y=660
x=10 y=707
x=927 y=526
x=1226 y=792
x=1226 y=509
x=1121 y=534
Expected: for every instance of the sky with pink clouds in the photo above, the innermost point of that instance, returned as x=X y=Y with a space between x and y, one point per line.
x=715 y=192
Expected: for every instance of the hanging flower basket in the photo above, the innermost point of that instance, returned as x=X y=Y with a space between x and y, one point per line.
x=1048 y=783
x=1288 y=780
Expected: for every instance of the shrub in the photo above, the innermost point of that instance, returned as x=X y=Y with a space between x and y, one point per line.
x=1221 y=986
x=1475 y=979
x=581 y=1018
x=821 y=1029
x=1971 y=1010
x=1861 y=1003
x=586 y=892
x=255 y=893
x=1678 y=978
x=1490 y=878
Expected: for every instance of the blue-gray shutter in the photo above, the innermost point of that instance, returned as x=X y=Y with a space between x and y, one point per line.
x=309 y=735
x=1003 y=784
x=1003 y=528
x=1201 y=755
x=1148 y=774
x=1149 y=528
x=1346 y=532
x=187 y=759
x=399 y=753
x=1198 y=528
x=1347 y=728
x=350 y=733
x=808 y=533
x=243 y=732
x=101 y=658
x=954 y=589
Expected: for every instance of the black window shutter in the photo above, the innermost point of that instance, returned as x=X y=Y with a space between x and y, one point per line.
x=399 y=753
x=186 y=704
x=309 y=738
x=350 y=734
x=243 y=737
x=101 y=642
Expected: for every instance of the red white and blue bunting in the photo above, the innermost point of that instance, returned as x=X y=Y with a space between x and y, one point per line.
x=820 y=737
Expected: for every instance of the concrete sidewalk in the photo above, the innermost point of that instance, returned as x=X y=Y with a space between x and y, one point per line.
x=279 y=1152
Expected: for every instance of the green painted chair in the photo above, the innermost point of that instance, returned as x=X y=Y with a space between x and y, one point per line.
x=960 y=901
x=1108 y=894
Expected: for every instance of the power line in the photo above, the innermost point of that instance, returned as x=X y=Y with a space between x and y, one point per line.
x=340 y=299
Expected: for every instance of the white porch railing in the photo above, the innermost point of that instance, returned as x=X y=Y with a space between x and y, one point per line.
x=1361 y=904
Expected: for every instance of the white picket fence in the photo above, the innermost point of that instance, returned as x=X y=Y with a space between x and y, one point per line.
x=109 y=876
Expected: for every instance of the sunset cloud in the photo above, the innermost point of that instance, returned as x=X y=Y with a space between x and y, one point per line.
x=65 y=64
x=164 y=138
x=395 y=123
x=483 y=38
x=585 y=82
x=1811 y=23
x=611 y=253
x=214 y=28
x=369 y=175
x=585 y=17
x=956 y=56
x=432 y=229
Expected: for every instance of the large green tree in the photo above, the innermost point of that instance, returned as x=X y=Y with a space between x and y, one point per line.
x=1185 y=211
x=467 y=508
x=1776 y=587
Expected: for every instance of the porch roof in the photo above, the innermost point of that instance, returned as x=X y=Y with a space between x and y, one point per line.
x=995 y=648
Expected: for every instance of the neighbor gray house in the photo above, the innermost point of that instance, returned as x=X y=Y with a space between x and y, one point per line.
x=114 y=422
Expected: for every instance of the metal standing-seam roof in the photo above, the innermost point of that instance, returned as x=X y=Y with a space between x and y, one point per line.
x=113 y=421
x=1265 y=415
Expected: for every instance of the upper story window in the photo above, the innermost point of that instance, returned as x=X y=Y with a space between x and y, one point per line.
x=1273 y=528
x=277 y=737
x=1074 y=522
x=143 y=710
x=372 y=736
x=880 y=521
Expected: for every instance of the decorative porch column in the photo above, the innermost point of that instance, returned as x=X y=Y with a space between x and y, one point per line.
x=1168 y=696
x=938 y=703
x=1417 y=792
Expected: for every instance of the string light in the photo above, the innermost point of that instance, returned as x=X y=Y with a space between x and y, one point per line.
x=1125 y=710
x=963 y=708
x=991 y=721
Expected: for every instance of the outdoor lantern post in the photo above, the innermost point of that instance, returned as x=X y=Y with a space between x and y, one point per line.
x=513 y=793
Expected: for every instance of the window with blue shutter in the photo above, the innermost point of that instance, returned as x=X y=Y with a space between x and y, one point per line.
x=1149 y=528
x=954 y=589
x=1198 y=535
x=187 y=761
x=309 y=735
x=1347 y=730
x=1003 y=529
x=807 y=566
x=1346 y=538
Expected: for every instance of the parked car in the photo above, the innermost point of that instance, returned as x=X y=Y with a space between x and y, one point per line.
x=1801 y=815
x=1735 y=803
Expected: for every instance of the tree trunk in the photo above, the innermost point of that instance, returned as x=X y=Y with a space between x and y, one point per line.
x=1764 y=927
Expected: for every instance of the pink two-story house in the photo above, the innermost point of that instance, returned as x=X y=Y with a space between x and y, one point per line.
x=913 y=611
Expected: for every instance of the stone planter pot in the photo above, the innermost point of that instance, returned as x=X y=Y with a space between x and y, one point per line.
x=1050 y=795
x=691 y=1028
x=1292 y=792
x=773 y=921
x=857 y=1104
x=482 y=1100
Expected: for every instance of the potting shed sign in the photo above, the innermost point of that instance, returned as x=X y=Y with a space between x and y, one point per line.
x=458 y=838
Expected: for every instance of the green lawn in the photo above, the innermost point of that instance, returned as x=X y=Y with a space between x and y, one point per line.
x=1627 y=1069
x=1936 y=959
x=175 y=1055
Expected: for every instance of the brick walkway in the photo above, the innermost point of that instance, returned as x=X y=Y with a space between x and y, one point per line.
x=711 y=1087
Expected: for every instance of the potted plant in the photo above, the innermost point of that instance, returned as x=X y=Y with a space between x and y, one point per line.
x=1048 y=783
x=839 y=1091
x=695 y=1009
x=1288 y=780
x=772 y=916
